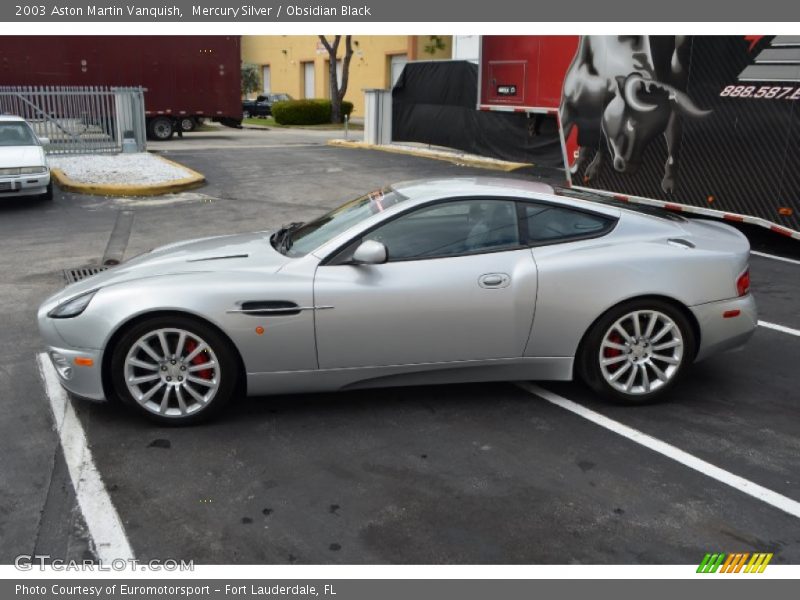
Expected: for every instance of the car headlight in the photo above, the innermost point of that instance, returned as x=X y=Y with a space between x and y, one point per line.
x=32 y=170
x=72 y=307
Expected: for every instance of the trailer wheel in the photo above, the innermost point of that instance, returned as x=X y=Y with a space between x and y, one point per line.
x=160 y=128
x=187 y=124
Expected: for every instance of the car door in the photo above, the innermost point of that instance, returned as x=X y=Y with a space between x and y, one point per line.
x=457 y=286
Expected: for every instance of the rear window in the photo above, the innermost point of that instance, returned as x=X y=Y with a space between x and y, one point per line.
x=644 y=209
x=546 y=223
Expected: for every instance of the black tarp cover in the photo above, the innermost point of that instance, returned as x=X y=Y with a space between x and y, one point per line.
x=434 y=103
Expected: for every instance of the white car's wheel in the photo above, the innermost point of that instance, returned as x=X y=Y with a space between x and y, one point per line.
x=48 y=193
x=174 y=370
x=637 y=351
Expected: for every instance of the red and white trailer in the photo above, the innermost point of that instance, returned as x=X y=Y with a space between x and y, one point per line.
x=708 y=125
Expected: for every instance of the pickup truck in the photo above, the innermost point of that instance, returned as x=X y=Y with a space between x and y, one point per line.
x=262 y=105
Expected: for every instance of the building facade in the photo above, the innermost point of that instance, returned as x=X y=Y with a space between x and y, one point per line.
x=298 y=64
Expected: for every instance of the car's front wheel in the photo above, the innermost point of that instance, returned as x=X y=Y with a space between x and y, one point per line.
x=174 y=370
x=637 y=351
x=48 y=192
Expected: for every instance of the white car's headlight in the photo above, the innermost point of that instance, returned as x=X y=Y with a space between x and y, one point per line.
x=32 y=170
x=72 y=307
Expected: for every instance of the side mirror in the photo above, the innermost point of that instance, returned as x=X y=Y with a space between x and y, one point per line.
x=44 y=141
x=370 y=252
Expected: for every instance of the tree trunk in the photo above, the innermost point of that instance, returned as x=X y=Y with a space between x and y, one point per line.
x=337 y=90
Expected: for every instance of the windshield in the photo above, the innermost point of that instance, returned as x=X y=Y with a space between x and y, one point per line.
x=313 y=234
x=16 y=133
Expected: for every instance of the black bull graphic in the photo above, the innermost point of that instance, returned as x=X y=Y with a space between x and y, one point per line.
x=623 y=91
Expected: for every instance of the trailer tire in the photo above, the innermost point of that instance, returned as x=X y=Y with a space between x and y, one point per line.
x=160 y=128
x=188 y=124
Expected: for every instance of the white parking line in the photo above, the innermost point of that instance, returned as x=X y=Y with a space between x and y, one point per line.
x=102 y=520
x=775 y=499
x=774 y=257
x=781 y=328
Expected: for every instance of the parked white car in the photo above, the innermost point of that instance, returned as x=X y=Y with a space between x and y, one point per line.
x=23 y=164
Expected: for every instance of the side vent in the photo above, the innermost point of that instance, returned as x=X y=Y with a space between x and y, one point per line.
x=270 y=308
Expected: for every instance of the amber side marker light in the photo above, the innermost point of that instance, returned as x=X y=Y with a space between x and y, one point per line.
x=82 y=361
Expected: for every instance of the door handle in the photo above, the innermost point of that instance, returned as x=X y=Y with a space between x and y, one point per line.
x=494 y=280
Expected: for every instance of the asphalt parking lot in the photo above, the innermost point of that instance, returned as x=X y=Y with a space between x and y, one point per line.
x=488 y=473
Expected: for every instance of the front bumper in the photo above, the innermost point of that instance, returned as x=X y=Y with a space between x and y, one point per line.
x=719 y=333
x=79 y=379
x=24 y=185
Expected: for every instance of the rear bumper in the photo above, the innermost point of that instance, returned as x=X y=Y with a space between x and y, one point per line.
x=719 y=333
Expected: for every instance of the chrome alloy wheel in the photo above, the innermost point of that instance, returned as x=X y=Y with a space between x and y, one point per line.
x=641 y=352
x=172 y=372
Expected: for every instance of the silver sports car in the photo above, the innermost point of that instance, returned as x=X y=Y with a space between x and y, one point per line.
x=424 y=282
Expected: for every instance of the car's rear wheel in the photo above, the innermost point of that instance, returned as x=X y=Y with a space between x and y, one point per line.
x=174 y=370
x=637 y=351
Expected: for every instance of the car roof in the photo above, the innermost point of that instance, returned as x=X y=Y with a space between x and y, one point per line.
x=470 y=186
x=423 y=190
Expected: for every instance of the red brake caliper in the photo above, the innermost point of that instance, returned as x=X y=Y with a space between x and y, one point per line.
x=612 y=352
x=198 y=360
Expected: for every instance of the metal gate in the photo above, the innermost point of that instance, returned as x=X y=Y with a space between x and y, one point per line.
x=79 y=120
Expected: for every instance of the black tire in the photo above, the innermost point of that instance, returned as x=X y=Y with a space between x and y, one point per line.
x=48 y=194
x=226 y=371
x=640 y=356
x=188 y=124
x=160 y=128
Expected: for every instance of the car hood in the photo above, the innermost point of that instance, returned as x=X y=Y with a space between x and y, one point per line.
x=244 y=252
x=21 y=156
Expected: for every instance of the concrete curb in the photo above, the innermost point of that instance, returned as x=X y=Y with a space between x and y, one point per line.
x=194 y=180
x=472 y=160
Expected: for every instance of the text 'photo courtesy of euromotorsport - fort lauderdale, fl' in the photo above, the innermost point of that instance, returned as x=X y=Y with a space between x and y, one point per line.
x=169 y=590
x=399 y=300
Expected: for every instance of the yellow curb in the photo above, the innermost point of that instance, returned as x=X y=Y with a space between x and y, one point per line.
x=194 y=180
x=459 y=159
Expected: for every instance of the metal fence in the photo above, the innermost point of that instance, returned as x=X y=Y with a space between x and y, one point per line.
x=79 y=120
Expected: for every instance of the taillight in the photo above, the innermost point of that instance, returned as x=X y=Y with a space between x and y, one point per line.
x=743 y=282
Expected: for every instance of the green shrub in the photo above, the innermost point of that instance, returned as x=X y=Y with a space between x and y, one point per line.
x=306 y=112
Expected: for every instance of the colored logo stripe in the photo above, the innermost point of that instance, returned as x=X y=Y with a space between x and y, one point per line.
x=710 y=563
x=735 y=562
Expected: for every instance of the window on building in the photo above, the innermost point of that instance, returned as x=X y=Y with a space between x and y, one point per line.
x=266 y=80
x=308 y=80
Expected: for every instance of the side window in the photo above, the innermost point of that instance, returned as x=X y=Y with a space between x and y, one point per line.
x=450 y=229
x=547 y=223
